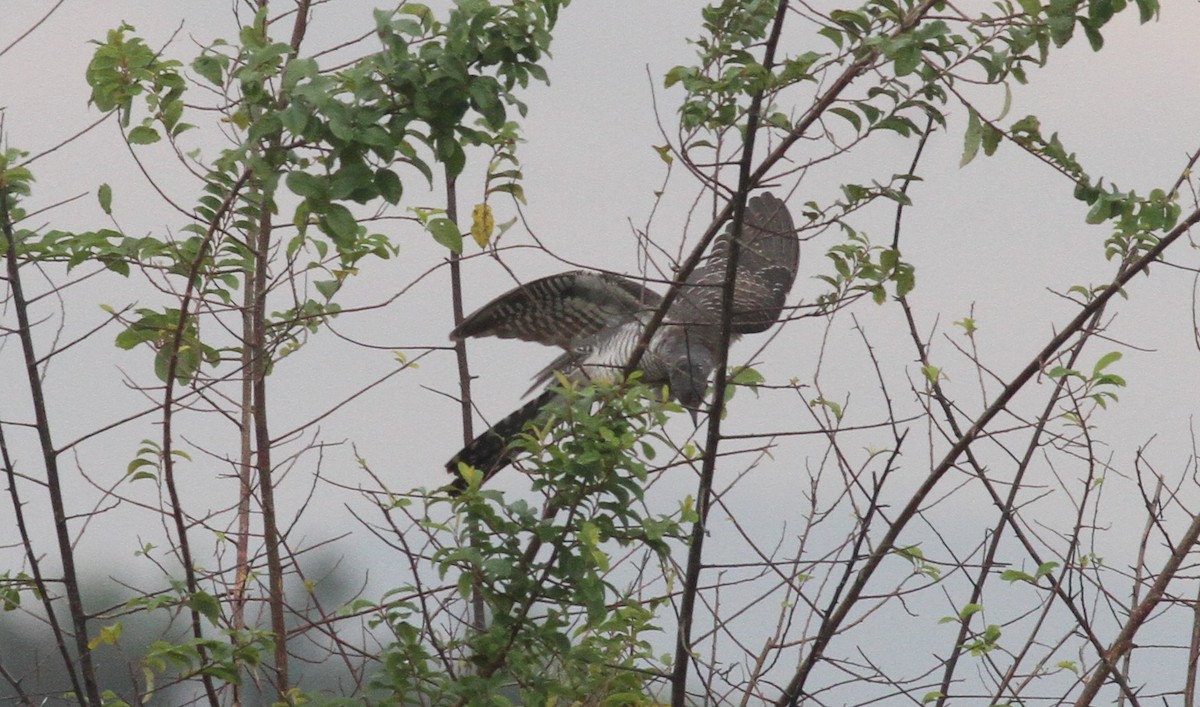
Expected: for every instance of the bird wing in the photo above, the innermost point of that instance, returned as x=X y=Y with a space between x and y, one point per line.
x=768 y=259
x=560 y=310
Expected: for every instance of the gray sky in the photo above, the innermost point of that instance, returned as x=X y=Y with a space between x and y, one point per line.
x=1002 y=235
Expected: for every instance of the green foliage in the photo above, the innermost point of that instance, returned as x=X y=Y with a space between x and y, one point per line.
x=148 y=462
x=337 y=139
x=11 y=588
x=435 y=89
x=558 y=630
x=985 y=642
x=14 y=178
x=862 y=268
x=831 y=405
x=927 y=58
x=1097 y=386
x=177 y=344
x=743 y=377
x=916 y=556
x=1014 y=575
x=729 y=73
x=223 y=658
x=123 y=68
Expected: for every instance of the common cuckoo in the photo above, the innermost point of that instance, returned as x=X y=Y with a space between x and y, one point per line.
x=598 y=318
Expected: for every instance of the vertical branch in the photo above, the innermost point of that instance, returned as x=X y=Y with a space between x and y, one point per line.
x=1154 y=511
x=1189 y=684
x=168 y=406
x=260 y=243
x=35 y=567
x=260 y=358
x=687 y=606
x=177 y=513
x=245 y=460
x=456 y=303
x=241 y=572
x=478 y=610
x=50 y=459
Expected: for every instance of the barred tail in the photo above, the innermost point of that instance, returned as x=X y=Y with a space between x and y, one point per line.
x=489 y=452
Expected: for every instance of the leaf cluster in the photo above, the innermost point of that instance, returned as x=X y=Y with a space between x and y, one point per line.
x=558 y=629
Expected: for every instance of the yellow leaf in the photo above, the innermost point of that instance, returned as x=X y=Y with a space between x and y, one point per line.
x=108 y=636
x=664 y=152
x=482 y=224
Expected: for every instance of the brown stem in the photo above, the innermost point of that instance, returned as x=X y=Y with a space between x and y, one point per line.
x=35 y=569
x=260 y=358
x=245 y=466
x=168 y=437
x=262 y=447
x=1189 y=685
x=50 y=460
x=478 y=610
x=687 y=605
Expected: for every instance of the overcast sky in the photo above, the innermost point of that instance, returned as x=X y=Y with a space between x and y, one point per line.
x=1002 y=235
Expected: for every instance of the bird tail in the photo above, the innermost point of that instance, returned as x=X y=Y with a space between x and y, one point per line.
x=490 y=452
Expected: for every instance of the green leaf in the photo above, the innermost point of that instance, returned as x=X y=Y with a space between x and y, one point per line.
x=1092 y=32
x=104 y=194
x=144 y=135
x=327 y=288
x=973 y=138
x=907 y=60
x=991 y=139
x=1147 y=10
x=136 y=464
x=210 y=67
x=1031 y=7
x=162 y=363
x=308 y=186
x=446 y=233
x=748 y=377
x=1016 y=576
x=340 y=224
x=1100 y=211
x=1105 y=361
x=294 y=118
x=484 y=95
x=206 y=605
x=517 y=192
x=451 y=154
x=832 y=35
x=389 y=186
x=850 y=116
x=1046 y=568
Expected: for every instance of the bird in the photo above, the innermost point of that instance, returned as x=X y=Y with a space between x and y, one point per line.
x=598 y=318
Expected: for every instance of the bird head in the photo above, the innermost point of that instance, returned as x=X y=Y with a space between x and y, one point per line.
x=690 y=364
